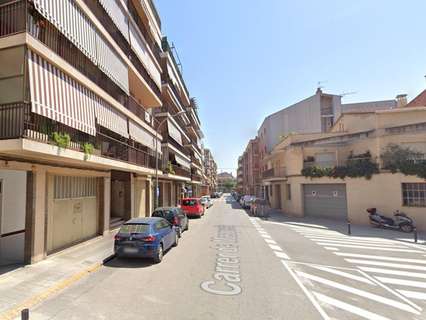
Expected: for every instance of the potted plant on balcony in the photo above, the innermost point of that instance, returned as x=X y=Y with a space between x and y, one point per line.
x=169 y=168
x=62 y=140
x=88 y=149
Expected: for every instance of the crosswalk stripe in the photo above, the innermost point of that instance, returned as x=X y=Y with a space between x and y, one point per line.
x=386 y=264
x=393 y=272
x=275 y=247
x=347 y=238
x=408 y=283
x=270 y=241
x=355 y=255
x=345 y=274
x=371 y=248
x=332 y=242
x=362 y=293
x=304 y=225
x=348 y=307
x=266 y=236
x=331 y=248
x=413 y=294
x=281 y=255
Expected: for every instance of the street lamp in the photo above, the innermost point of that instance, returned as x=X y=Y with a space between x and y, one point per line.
x=156 y=154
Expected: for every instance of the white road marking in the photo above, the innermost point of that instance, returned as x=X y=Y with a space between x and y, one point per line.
x=281 y=255
x=394 y=272
x=345 y=274
x=266 y=236
x=331 y=248
x=332 y=242
x=371 y=248
x=386 y=264
x=413 y=294
x=327 y=238
x=270 y=241
x=409 y=283
x=348 y=307
x=354 y=255
x=362 y=293
x=297 y=224
x=307 y=293
x=275 y=247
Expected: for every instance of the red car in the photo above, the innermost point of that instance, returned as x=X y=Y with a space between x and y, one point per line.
x=192 y=207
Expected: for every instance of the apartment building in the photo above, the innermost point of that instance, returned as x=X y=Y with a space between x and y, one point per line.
x=240 y=175
x=225 y=181
x=249 y=165
x=341 y=173
x=89 y=97
x=210 y=172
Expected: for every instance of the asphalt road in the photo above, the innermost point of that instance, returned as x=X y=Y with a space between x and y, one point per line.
x=231 y=266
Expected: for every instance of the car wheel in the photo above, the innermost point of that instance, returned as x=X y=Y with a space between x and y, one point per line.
x=159 y=255
x=176 y=241
x=408 y=228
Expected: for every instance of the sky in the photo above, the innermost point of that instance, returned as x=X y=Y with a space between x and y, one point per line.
x=245 y=59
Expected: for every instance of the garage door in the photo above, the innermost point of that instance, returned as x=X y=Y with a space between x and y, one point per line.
x=325 y=201
x=72 y=211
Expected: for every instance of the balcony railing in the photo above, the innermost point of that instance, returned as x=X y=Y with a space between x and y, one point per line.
x=178 y=171
x=12 y=18
x=140 y=112
x=196 y=177
x=17 y=121
x=320 y=164
x=279 y=172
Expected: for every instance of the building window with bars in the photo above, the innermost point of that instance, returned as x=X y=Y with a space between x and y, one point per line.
x=414 y=194
x=74 y=187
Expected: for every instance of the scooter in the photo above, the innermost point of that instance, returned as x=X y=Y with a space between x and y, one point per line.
x=400 y=221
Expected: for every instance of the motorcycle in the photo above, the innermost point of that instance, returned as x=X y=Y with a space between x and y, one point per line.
x=400 y=221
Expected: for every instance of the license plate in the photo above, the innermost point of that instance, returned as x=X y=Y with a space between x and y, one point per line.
x=130 y=250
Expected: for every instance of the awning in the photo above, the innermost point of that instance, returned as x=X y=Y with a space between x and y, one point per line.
x=142 y=136
x=174 y=132
x=118 y=15
x=183 y=162
x=110 y=118
x=58 y=97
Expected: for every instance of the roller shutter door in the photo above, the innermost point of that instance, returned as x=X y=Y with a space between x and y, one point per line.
x=325 y=201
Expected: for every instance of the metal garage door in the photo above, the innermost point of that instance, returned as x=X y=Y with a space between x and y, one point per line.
x=73 y=211
x=326 y=201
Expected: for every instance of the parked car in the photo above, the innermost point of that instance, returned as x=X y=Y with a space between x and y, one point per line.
x=145 y=238
x=175 y=216
x=206 y=201
x=192 y=207
x=246 y=200
x=214 y=195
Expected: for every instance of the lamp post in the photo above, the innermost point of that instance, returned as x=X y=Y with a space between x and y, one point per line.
x=156 y=154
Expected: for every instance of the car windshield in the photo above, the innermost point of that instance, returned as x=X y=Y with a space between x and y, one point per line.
x=134 y=228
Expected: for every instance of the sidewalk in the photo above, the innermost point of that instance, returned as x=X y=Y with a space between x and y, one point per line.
x=31 y=284
x=356 y=230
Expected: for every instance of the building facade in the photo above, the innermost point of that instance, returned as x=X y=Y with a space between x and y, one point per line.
x=84 y=88
x=340 y=174
x=210 y=172
x=226 y=182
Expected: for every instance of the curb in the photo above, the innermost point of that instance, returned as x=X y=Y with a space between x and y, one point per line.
x=14 y=312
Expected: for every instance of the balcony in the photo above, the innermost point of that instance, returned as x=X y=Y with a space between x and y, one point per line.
x=320 y=164
x=178 y=171
x=196 y=177
x=17 y=121
x=279 y=172
x=13 y=18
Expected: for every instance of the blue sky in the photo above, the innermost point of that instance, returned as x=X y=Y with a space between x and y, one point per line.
x=245 y=59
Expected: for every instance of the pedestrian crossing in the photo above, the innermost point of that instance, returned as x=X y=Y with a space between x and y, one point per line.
x=398 y=266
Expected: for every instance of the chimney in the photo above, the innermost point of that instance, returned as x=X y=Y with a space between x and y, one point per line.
x=401 y=100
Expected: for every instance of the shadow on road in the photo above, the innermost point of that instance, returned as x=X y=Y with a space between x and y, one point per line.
x=129 y=263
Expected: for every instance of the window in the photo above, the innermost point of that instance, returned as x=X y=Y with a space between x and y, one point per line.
x=414 y=194
x=288 y=188
x=134 y=228
x=11 y=75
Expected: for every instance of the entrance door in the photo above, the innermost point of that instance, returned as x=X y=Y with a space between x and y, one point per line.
x=277 y=196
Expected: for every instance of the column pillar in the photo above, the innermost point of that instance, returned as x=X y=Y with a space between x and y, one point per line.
x=36 y=212
x=106 y=212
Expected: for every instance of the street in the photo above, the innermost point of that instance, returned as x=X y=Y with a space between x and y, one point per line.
x=232 y=266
